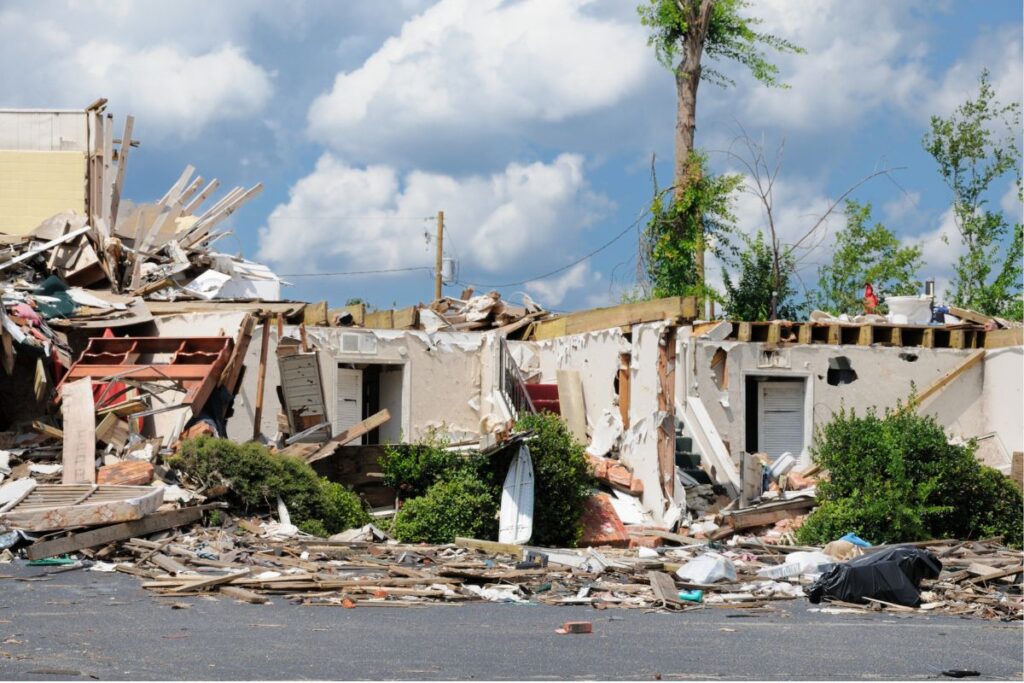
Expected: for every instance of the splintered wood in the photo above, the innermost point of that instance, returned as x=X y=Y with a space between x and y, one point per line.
x=980 y=579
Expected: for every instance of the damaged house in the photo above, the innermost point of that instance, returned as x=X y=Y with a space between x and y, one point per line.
x=124 y=331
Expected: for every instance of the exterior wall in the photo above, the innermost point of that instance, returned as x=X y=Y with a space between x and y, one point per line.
x=594 y=355
x=42 y=166
x=446 y=380
x=44 y=131
x=37 y=185
x=971 y=406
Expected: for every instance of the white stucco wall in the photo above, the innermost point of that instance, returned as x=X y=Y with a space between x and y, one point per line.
x=984 y=399
x=441 y=379
x=594 y=355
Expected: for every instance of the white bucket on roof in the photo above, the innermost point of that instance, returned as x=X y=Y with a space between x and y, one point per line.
x=916 y=310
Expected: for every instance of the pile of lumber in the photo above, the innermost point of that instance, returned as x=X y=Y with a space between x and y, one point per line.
x=246 y=559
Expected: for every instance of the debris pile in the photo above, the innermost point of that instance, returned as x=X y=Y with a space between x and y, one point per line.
x=256 y=562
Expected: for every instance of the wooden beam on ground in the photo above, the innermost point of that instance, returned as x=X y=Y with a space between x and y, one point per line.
x=570 y=398
x=198 y=586
x=244 y=595
x=671 y=308
x=941 y=383
x=157 y=521
x=492 y=547
x=79 y=450
x=351 y=434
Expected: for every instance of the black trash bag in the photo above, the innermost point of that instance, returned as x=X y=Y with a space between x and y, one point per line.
x=892 y=575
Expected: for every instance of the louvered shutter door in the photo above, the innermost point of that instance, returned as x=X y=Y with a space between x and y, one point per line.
x=348 y=391
x=780 y=407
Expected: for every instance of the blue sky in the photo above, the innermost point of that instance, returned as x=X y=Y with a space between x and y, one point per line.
x=530 y=123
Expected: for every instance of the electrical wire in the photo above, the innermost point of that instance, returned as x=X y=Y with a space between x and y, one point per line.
x=313 y=216
x=359 y=272
x=568 y=265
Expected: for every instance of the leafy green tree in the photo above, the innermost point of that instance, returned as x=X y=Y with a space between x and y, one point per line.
x=701 y=213
x=866 y=253
x=972 y=152
x=682 y=32
x=750 y=297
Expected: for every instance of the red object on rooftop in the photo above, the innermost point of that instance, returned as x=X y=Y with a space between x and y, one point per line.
x=870 y=300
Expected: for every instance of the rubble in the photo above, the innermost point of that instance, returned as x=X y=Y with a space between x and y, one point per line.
x=79 y=298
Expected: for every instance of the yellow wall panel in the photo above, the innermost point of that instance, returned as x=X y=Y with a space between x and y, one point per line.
x=37 y=185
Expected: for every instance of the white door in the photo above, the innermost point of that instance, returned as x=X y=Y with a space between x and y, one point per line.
x=780 y=415
x=348 y=391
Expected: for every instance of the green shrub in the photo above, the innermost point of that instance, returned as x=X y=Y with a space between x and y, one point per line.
x=562 y=480
x=458 y=494
x=256 y=477
x=462 y=506
x=896 y=478
x=413 y=468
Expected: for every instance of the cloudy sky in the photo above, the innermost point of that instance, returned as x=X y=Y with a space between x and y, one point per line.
x=531 y=123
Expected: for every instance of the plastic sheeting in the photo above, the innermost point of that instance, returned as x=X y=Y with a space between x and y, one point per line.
x=892 y=575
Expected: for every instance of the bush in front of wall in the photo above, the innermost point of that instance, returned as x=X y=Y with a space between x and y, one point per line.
x=461 y=506
x=411 y=469
x=256 y=477
x=452 y=493
x=896 y=478
x=562 y=480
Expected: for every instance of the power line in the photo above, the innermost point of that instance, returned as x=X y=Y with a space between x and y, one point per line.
x=310 y=216
x=359 y=272
x=567 y=266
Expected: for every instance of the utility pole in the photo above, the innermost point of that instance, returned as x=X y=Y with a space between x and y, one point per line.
x=437 y=259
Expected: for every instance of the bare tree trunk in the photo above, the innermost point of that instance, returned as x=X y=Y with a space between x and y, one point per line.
x=687 y=80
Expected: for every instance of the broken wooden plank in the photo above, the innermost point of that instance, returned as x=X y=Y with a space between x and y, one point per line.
x=169 y=564
x=350 y=434
x=492 y=547
x=79 y=450
x=670 y=308
x=46 y=246
x=157 y=521
x=113 y=430
x=940 y=384
x=664 y=587
x=48 y=430
x=203 y=584
x=244 y=595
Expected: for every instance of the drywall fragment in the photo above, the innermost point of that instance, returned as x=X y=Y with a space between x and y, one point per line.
x=607 y=433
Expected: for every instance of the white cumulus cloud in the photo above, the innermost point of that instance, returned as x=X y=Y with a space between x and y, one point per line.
x=170 y=89
x=552 y=291
x=342 y=217
x=175 y=72
x=464 y=70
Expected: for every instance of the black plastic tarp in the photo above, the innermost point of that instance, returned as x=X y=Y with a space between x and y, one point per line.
x=893 y=575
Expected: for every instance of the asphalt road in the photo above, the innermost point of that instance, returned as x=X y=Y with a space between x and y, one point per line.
x=86 y=625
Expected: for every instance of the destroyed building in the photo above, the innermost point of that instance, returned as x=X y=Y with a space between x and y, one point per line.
x=173 y=338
